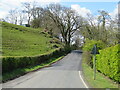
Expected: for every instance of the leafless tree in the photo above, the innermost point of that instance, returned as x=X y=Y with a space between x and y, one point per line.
x=12 y=17
x=28 y=10
x=67 y=21
x=21 y=16
x=37 y=12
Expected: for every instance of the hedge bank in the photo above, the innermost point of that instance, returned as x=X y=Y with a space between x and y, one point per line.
x=107 y=61
x=12 y=63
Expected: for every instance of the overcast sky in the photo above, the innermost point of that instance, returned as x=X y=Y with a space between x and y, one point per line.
x=81 y=7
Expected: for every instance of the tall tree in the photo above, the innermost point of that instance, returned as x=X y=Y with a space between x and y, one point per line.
x=28 y=10
x=21 y=16
x=103 y=17
x=66 y=19
x=12 y=16
x=37 y=12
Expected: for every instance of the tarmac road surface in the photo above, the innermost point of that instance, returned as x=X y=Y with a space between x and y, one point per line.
x=65 y=73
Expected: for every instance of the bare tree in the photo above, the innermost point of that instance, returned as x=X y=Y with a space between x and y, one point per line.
x=28 y=10
x=67 y=21
x=37 y=12
x=21 y=16
x=12 y=16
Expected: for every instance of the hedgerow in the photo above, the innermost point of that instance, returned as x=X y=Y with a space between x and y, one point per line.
x=107 y=62
x=12 y=63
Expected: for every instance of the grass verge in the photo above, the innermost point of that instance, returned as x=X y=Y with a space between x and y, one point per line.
x=19 y=72
x=101 y=80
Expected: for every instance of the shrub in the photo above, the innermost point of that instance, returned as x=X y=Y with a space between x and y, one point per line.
x=90 y=43
x=87 y=49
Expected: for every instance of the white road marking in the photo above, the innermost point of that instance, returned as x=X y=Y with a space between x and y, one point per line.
x=83 y=80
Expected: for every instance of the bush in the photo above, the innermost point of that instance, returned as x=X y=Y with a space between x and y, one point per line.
x=12 y=63
x=87 y=49
x=90 y=43
x=107 y=62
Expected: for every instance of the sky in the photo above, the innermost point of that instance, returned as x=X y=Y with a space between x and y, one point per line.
x=82 y=7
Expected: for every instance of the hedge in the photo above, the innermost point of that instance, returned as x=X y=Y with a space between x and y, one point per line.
x=108 y=62
x=11 y=63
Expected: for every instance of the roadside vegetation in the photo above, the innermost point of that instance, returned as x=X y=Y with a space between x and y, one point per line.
x=21 y=71
x=27 y=49
x=107 y=65
x=106 y=37
x=101 y=80
x=53 y=31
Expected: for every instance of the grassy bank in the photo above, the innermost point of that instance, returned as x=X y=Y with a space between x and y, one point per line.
x=25 y=41
x=25 y=49
x=20 y=72
x=101 y=80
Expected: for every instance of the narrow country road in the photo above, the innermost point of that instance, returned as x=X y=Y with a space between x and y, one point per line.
x=65 y=73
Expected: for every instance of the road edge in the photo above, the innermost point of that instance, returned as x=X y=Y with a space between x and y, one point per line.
x=81 y=77
x=32 y=70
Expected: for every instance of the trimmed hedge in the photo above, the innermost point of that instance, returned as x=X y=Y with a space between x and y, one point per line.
x=108 y=62
x=12 y=63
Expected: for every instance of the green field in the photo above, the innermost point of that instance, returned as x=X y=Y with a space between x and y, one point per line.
x=24 y=41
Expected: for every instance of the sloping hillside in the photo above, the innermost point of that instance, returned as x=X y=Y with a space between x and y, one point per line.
x=23 y=41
